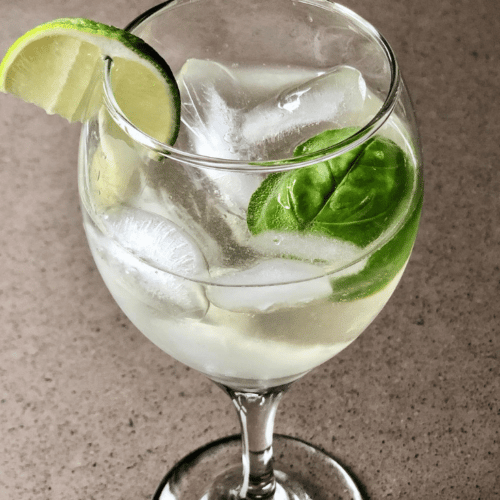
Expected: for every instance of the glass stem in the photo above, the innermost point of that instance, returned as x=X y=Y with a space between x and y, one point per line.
x=256 y=411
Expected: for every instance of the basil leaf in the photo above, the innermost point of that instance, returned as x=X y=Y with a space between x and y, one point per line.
x=383 y=265
x=288 y=201
x=351 y=197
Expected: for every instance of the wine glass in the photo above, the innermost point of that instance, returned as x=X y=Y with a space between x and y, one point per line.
x=275 y=229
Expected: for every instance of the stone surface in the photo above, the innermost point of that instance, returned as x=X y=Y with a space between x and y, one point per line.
x=90 y=409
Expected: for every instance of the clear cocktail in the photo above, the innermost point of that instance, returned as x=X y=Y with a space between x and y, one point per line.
x=175 y=249
x=251 y=214
x=279 y=224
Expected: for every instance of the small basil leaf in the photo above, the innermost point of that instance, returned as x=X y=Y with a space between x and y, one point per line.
x=353 y=197
x=383 y=265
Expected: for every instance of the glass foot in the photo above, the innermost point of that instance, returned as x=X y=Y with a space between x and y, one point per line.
x=214 y=472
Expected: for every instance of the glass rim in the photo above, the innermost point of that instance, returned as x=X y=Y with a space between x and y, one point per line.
x=262 y=165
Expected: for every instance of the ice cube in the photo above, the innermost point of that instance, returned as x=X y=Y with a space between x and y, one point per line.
x=211 y=98
x=331 y=100
x=155 y=260
x=263 y=113
x=215 y=99
x=331 y=253
x=235 y=190
x=270 y=285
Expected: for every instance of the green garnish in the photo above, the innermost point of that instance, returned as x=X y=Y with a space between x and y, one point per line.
x=354 y=197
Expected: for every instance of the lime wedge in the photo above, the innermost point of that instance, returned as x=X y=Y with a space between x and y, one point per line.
x=55 y=66
x=115 y=169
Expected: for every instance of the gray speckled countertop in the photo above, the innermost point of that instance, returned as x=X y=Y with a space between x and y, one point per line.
x=90 y=409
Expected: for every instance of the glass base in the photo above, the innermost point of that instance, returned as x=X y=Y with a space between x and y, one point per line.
x=214 y=472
